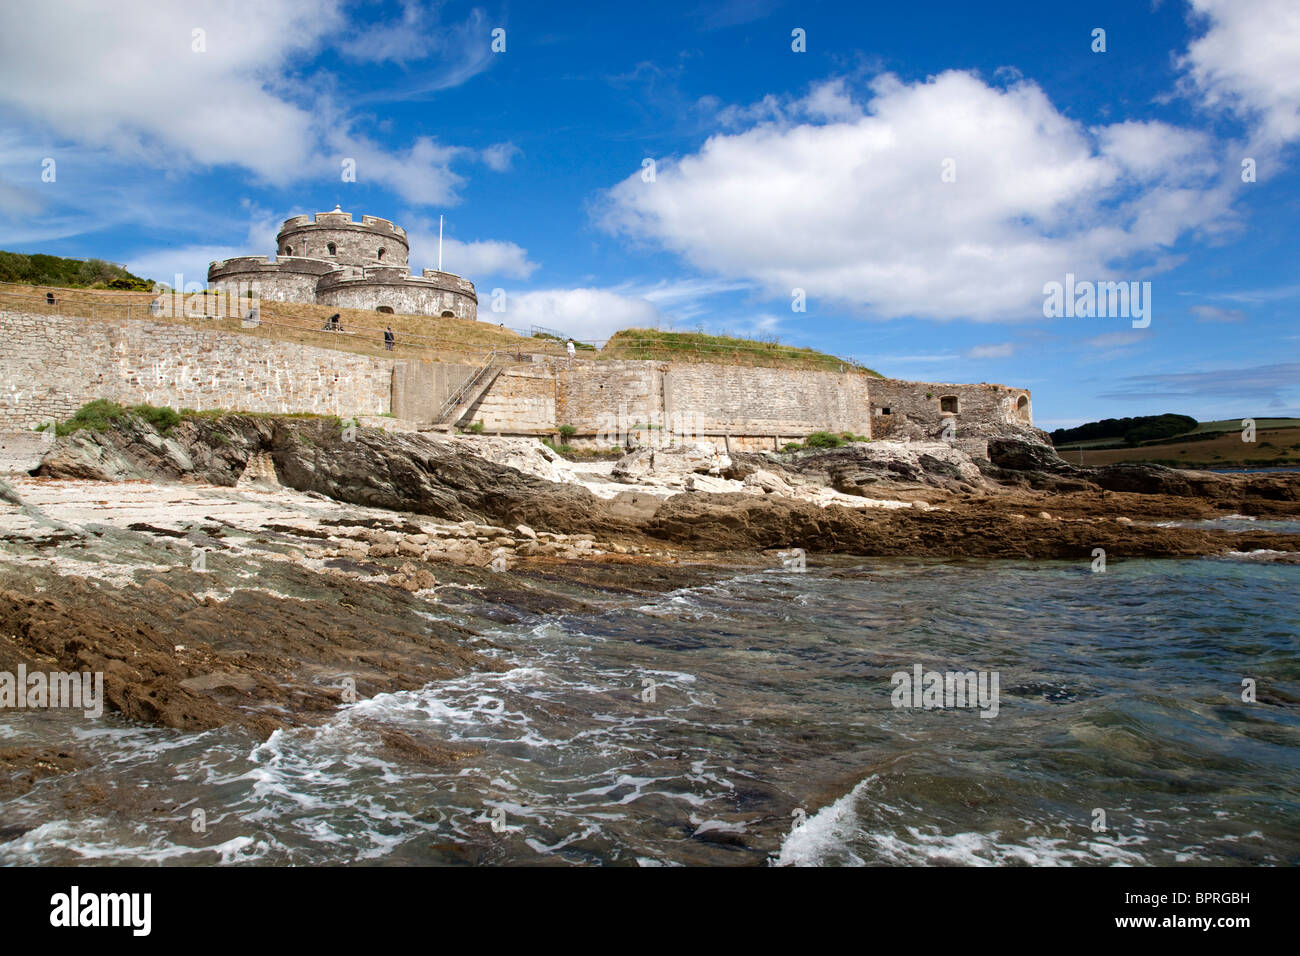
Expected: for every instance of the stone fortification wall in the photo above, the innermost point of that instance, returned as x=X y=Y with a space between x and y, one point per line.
x=520 y=401
x=783 y=403
x=54 y=364
x=896 y=403
x=285 y=280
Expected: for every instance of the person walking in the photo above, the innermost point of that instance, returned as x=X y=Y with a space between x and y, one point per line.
x=571 y=349
x=389 y=338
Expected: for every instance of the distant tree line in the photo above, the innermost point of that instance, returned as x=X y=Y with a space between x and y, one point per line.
x=1132 y=431
x=70 y=273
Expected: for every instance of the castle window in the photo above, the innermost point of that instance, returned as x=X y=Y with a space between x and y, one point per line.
x=288 y=250
x=1022 y=408
x=448 y=314
x=332 y=250
x=380 y=255
x=882 y=410
x=386 y=309
x=948 y=403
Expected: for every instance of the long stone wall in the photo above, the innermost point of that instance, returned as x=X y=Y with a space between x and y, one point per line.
x=52 y=365
x=745 y=408
x=520 y=401
x=785 y=404
x=594 y=397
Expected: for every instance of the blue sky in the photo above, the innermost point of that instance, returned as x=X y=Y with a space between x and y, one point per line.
x=775 y=170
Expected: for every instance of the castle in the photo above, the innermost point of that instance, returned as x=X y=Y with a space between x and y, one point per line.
x=329 y=259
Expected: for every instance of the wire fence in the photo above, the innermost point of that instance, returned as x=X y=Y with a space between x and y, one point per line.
x=346 y=335
x=214 y=310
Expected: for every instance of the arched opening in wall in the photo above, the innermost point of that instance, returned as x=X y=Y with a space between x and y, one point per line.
x=332 y=249
x=1022 y=408
x=288 y=250
x=380 y=255
x=948 y=403
x=386 y=309
x=448 y=314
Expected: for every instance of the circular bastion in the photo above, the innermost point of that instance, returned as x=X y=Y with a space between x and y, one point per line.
x=394 y=290
x=334 y=237
x=284 y=280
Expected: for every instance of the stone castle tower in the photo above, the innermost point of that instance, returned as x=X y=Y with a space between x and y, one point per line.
x=328 y=259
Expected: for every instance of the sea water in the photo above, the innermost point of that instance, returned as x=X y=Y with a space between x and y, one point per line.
x=751 y=722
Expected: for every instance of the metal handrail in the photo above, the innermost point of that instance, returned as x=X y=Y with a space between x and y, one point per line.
x=457 y=398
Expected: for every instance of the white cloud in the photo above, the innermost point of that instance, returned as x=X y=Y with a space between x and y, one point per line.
x=191 y=261
x=126 y=79
x=476 y=260
x=19 y=202
x=1213 y=313
x=421 y=174
x=418 y=35
x=853 y=210
x=1275 y=383
x=1120 y=340
x=489 y=258
x=1248 y=61
x=1000 y=350
x=498 y=157
x=587 y=314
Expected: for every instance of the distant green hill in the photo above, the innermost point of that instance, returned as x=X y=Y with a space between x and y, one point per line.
x=68 y=273
x=1132 y=431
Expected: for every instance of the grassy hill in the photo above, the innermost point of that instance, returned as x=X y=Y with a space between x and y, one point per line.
x=68 y=273
x=721 y=349
x=418 y=336
x=1234 y=425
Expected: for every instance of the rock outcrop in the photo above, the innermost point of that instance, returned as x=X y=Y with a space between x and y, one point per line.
x=672 y=463
x=858 y=469
x=925 y=498
x=401 y=471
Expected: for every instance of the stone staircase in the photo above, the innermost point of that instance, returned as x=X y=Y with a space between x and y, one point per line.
x=470 y=391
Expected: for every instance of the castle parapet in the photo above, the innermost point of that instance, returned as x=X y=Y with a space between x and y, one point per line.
x=450 y=280
x=287 y=279
x=300 y=264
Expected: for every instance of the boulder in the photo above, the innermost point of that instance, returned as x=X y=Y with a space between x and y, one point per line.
x=854 y=469
x=695 y=458
x=768 y=482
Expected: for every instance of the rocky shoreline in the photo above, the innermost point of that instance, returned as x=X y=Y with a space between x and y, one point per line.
x=254 y=571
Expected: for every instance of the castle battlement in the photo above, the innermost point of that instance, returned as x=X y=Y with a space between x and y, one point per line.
x=383 y=224
x=372 y=276
x=318 y=267
x=338 y=218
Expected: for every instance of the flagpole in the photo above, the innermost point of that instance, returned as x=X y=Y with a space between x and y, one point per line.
x=440 y=243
